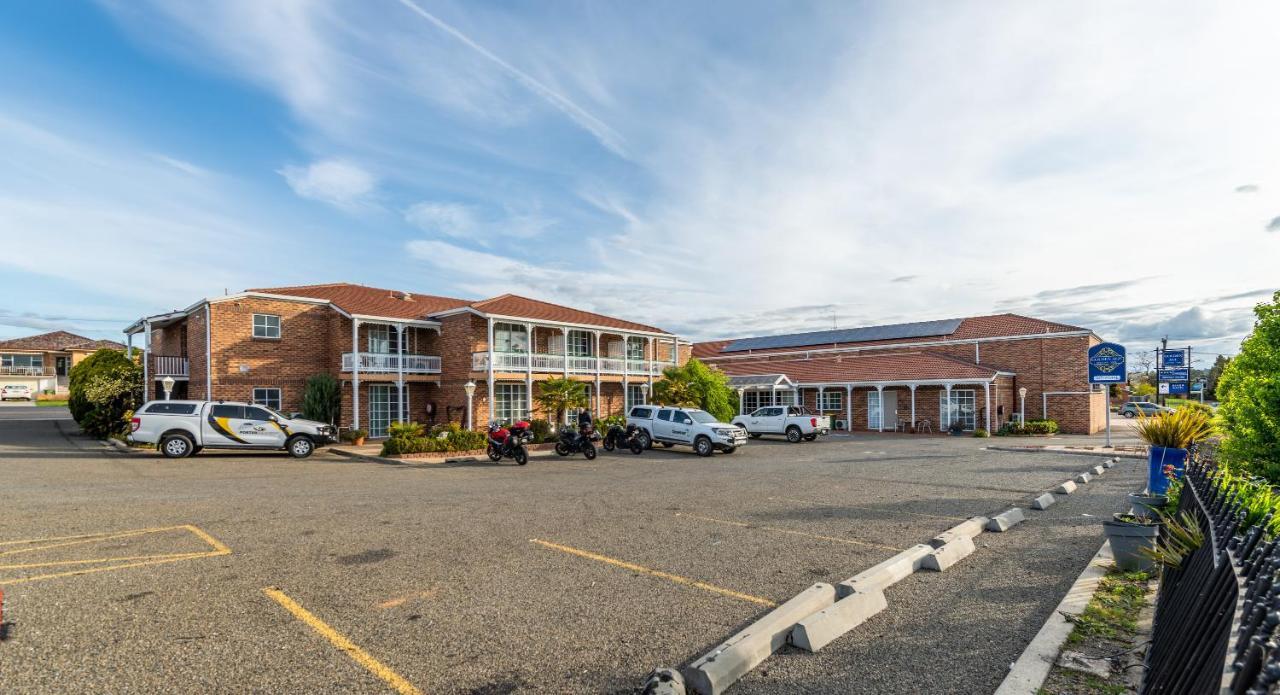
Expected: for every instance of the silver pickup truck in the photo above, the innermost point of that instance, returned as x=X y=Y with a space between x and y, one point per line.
x=796 y=422
x=182 y=428
x=671 y=425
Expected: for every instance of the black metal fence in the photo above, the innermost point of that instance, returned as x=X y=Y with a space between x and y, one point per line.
x=1217 y=612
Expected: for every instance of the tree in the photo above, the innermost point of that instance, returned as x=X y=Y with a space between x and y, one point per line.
x=1249 y=390
x=105 y=388
x=699 y=386
x=322 y=399
x=1215 y=373
x=559 y=395
x=1142 y=389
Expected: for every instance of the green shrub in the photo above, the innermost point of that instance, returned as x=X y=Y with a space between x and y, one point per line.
x=1030 y=427
x=412 y=438
x=541 y=430
x=354 y=434
x=1250 y=394
x=981 y=433
x=105 y=389
x=322 y=399
x=605 y=423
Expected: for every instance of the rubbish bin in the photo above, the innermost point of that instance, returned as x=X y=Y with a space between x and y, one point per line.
x=1157 y=459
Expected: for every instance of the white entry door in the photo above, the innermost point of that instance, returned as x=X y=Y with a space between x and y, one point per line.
x=890 y=402
x=384 y=408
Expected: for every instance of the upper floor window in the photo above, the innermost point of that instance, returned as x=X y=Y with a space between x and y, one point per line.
x=510 y=337
x=579 y=344
x=673 y=353
x=384 y=340
x=635 y=348
x=266 y=326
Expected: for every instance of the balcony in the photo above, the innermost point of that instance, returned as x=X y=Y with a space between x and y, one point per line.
x=519 y=362
x=26 y=371
x=389 y=363
x=169 y=365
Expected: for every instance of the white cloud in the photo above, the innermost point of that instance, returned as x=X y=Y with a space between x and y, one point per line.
x=336 y=182
x=465 y=222
x=450 y=219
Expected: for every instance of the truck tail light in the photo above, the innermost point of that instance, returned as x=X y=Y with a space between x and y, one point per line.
x=813 y=421
x=134 y=424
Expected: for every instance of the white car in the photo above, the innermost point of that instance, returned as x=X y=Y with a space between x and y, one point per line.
x=670 y=425
x=16 y=392
x=795 y=421
x=182 y=428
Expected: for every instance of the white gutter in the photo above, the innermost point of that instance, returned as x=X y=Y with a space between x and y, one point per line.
x=890 y=346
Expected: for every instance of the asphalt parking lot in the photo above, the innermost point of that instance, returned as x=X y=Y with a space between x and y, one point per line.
x=129 y=572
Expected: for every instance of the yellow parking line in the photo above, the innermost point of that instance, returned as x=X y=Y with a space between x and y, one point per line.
x=655 y=573
x=872 y=509
x=58 y=563
x=820 y=537
x=84 y=539
x=142 y=560
x=336 y=638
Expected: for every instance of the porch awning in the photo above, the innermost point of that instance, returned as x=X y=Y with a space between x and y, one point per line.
x=760 y=381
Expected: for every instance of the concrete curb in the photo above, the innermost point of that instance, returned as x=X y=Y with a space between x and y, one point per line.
x=416 y=462
x=1066 y=488
x=970 y=528
x=664 y=681
x=1003 y=522
x=945 y=556
x=715 y=671
x=885 y=574
x=1071 y=452
x=1044 y=501
x=820 y=629
x=1083 y=478
x=1109 y=463
x=1030 y=670
x=1097 y=470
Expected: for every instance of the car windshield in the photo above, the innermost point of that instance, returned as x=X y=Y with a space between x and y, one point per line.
x=273 y=411
x=701 y=416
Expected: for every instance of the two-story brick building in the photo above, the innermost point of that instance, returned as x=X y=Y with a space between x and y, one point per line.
x=926 y=375
x=43 y=362
x=399 y=355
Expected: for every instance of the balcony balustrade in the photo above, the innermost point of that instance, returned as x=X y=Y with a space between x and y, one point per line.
x=371 y=362
x=169 y=365
x=519 y=362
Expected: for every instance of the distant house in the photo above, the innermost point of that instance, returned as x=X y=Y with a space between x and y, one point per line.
x=44 y=361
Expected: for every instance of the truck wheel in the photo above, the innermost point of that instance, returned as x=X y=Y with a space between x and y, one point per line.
x=730 y=449
x=810 y=437
x=753 y=435
x=176 y=446
x=301 y=447
x=646 y=441
x=793 y=434
x=702 y=446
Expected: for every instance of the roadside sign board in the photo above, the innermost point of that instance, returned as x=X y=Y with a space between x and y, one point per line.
x=1197 y=387
x=1177 y=387
x=1106 y=364
x=1164 y=388
x=1173 y=358
x=1179 y=374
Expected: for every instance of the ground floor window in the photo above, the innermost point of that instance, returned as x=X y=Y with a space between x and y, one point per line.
x=510 y=401
x=384 y=408
x=759 y=399
x=962 y=408
x=635 y=395
x=831 y=400
x=269 y=397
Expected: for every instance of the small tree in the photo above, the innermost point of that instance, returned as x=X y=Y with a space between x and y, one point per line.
x=106 y=387
x=1215 y=374
x=322 y=399
x=559 y=395
x=1250 y=394
x=696 y=385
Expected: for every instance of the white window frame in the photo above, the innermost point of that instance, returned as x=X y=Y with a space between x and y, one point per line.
x=266 y=326
x=266 y=399
x=873 y=410
x=579 y=343
x=384 y=340
x=510 y=402
x=391 y=401
x=635 y=396
x=831 y=399
x=959 y=399
x=32 y=361
x=635 y=348
x=510 y=337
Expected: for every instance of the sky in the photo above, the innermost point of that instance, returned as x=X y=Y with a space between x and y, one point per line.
x=717 y=169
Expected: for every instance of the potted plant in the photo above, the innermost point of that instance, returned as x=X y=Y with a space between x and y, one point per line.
x=956 y=429
x=1133 y=540
x=1144 y=506
x=355 y=436
x=1168 y=436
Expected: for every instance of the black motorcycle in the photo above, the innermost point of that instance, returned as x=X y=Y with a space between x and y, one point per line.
x=577 y=441
x=509 y=442
x=618 y=438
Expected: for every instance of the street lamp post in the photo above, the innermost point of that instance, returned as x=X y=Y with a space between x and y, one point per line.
x=1022 y=413
x=644 y=392
x=742 y=399
x=168 y=383
x=470 y=388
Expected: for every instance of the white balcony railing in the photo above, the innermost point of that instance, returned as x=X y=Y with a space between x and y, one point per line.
x=169 y=365
x=519 y=361
x=390 y=363
x=26 y=371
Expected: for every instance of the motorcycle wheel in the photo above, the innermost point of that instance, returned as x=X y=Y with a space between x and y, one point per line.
x=636 y=447
x=608 y=444
x=494 y=454
x=589 y=450
x=521 y=456
x=562 y=449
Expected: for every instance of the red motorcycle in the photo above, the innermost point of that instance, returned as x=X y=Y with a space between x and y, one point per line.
x=509 y=442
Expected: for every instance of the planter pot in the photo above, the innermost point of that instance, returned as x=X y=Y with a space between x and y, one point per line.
x=1159 y=457
x=1127 y=540
x=358 y=441
x=1144 y=506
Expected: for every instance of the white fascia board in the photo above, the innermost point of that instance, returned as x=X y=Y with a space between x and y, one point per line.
x=890 y=346
x=369 y=318
x=895 y=382
x=588 y=326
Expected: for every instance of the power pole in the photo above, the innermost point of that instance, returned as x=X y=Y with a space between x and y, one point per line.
x=1164 y=347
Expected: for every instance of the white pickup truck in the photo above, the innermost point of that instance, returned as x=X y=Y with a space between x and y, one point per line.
x=795 y=421
x=182 y=428
x=671 y=425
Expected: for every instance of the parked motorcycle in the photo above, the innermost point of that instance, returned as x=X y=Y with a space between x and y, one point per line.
x=509 y=442
x=577 y=441
x=618 y=438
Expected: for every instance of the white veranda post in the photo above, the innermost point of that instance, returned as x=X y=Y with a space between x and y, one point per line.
x=880 y=405
x=848 y=408
x=402 y=411
x=946 y=423
x=489 y=376
x=986 y=395
x=913 y=405
x=355 y=373
x=528 y=369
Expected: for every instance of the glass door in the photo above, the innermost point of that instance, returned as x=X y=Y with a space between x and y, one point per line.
x=873 y=410
x=384 y=408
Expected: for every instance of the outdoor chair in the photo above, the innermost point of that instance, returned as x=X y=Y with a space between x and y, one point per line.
x=924 y=425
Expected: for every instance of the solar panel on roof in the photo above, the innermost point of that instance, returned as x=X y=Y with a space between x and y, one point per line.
x=895 y=331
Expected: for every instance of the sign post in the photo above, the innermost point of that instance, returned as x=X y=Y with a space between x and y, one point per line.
x=1107 y=367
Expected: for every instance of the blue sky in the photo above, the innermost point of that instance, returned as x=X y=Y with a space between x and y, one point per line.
x=716 y=169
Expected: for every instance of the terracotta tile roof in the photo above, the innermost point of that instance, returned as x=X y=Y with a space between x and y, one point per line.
x=900 y=366
x=371 y=301
x=992 y=326
x=58 y=341
x=537 y=310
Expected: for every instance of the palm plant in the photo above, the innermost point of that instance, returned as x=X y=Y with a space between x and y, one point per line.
x=1177 y=430
x=559 y=395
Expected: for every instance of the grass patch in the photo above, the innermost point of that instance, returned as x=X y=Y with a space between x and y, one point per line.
x=51 y=404
x=1113 y=611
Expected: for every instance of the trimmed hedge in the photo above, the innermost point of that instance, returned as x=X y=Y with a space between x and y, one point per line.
x=411 y=438
x=1030 y=427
